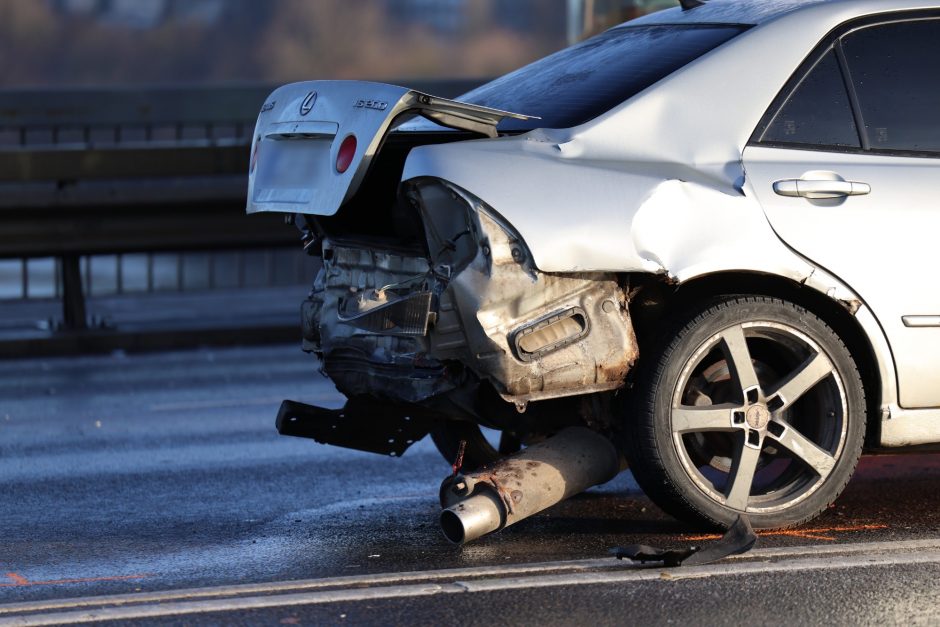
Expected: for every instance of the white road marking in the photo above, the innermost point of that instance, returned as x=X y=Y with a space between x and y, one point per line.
x=462 y=580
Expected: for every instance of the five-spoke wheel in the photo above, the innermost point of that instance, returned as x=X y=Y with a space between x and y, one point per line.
x=751 y=405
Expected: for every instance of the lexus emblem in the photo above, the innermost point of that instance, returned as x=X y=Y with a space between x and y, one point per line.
x=307 y=105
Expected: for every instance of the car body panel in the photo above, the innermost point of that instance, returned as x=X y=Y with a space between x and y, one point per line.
x=848 y=237
x=910 y=427
x=898 y=427
x=651 y=223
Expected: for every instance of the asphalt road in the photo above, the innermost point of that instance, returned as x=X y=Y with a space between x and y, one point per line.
x=155 y=475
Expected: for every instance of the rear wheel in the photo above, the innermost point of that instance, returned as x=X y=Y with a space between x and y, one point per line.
x=750 y=405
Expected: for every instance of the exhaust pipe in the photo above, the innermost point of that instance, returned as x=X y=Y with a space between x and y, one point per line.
x=526 y=483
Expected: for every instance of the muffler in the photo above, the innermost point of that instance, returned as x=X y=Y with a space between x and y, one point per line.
x=526 y=483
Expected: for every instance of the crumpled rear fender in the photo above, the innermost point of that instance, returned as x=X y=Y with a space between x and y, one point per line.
x=582 y=215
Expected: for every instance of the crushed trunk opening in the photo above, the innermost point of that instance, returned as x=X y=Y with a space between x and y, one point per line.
x=410 y=325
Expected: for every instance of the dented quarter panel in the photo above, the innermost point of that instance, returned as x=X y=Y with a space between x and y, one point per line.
x=555 y=204
x=679 y=228
x=580 y=216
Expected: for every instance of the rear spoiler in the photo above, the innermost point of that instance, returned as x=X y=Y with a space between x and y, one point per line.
x=460 y=115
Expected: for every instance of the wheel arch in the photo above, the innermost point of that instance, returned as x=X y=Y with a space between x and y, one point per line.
x=657 y=302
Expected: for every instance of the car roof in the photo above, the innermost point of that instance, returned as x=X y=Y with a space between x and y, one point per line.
x=761 y=11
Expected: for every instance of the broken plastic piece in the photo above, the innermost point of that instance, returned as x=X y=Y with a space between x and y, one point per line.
x=364 y=424
x=458 y=461
x=740 y=538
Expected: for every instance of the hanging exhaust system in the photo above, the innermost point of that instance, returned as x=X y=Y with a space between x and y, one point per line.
x=525 y=484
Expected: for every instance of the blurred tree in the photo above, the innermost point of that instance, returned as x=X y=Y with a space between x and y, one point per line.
x=26 y=28
x=354 y=38
x=59 y=42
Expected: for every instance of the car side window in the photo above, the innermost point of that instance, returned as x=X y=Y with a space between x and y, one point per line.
x=895 y=69
x=817 y=112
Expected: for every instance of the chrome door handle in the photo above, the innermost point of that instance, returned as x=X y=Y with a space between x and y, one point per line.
x=820 y=189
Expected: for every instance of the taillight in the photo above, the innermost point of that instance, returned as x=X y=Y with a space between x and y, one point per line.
x=347 y=150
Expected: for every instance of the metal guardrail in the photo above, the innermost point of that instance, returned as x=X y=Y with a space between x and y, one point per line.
x=91 y=172
x=153 y=272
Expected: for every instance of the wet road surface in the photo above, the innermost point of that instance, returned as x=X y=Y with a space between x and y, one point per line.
x=140 y=474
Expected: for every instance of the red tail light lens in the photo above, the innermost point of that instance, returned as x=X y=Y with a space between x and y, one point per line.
x=347 y=151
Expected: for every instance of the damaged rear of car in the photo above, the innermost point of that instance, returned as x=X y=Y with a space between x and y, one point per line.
x=429 y=301
x=515 y=259
x=428 y=297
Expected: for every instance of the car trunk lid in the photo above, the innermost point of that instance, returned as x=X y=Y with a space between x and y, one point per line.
x=302 y=127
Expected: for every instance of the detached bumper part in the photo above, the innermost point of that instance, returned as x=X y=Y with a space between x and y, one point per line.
x=740 y=538
x=363 y=424
x=409 y=315
x=369 y=318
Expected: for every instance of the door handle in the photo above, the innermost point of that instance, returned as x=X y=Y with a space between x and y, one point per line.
x=820 y=189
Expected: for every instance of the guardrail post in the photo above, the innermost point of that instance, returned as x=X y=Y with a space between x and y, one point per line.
x=73 y=297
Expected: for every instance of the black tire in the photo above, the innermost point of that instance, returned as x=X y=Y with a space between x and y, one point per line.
x=712 y=431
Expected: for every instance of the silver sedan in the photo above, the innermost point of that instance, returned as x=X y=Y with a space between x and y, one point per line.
x=708 y=234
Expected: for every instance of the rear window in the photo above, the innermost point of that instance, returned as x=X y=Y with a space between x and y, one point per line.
x=818 y=112
x=580 y=83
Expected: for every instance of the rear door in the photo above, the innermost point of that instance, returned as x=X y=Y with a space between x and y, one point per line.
x=847 y=167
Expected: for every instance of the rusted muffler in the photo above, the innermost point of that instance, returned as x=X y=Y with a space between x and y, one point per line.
x=526 y=483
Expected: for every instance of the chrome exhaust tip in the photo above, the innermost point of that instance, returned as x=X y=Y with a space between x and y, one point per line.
x=472 y=518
